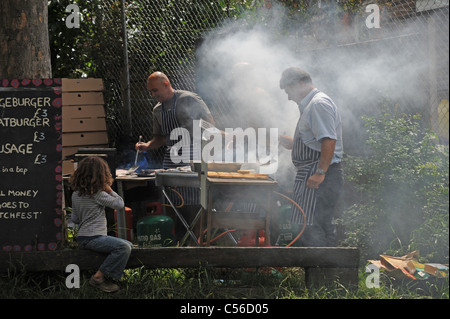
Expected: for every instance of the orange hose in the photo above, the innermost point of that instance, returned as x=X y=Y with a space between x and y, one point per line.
x=224 y=233
x=182 y=199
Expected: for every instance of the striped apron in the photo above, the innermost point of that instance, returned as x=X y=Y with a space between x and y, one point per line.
x=306 y=161
x=191 y=195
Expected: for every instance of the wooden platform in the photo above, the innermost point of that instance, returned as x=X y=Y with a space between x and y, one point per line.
x=321 y=264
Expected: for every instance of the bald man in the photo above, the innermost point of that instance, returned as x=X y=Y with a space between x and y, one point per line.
x=176 y=109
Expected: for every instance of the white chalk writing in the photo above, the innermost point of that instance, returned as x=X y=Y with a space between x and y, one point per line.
x=24 y=101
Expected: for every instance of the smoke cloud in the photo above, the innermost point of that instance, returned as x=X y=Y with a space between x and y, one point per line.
x=240 y=64
x=361 y=69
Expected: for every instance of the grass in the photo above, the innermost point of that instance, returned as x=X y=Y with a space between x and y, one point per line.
x=202 y=283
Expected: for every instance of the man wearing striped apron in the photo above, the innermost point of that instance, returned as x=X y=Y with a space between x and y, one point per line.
x=175 y=113
x=317 y=151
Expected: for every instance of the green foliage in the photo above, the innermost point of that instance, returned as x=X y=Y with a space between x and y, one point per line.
x=403 y=183
x=79 y=52
x=96 y=47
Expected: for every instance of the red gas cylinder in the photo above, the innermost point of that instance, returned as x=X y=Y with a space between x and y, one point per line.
x=248 y=239
x=128 y=221
x=153 y=208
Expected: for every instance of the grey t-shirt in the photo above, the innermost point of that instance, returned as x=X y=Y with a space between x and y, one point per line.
x=89 y=212
x=189 y=107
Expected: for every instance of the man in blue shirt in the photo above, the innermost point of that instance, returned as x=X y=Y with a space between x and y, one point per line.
x=317 y=151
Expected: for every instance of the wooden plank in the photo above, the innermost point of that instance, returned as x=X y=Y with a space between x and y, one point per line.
x=82 y=98
x=83 y=111
x=81 y=85
x=189 y=257
x=236 y=257
x=235 y=181
x=84 y=139
x=84 y=125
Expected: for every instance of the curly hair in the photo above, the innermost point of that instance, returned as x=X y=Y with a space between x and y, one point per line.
x=91 y=176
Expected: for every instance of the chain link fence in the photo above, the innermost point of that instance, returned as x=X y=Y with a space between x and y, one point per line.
x=365 y=54
x=147 y=36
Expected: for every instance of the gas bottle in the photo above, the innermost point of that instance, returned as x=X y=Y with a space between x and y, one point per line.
x=155 y=231
x=287 y=230
x=154 y=208
x=248 y=238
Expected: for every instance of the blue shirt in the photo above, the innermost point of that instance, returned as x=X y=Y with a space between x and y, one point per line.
x=319 y=119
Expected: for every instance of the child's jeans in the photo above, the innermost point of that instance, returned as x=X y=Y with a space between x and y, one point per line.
x=118 y=251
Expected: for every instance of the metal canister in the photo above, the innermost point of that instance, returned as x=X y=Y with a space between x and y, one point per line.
x=155 y=231
x=287 y=230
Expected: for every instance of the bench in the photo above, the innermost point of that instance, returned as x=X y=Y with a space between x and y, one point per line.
x=322 y=265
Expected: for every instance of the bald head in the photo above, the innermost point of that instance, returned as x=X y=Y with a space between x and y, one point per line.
x=159 y=85
x=158 y=76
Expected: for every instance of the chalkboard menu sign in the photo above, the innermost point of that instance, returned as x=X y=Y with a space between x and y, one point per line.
x=30 y=165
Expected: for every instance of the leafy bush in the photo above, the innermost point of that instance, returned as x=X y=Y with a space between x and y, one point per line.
x=403 y=185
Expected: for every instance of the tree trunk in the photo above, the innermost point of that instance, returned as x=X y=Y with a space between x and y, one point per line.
x=24 y=41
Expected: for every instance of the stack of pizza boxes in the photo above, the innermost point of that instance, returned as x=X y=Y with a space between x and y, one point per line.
x=83 y=118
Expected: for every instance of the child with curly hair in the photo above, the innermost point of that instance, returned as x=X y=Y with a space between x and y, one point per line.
x=91 y=183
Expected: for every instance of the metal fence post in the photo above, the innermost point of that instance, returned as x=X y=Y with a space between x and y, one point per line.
x=126 y=73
